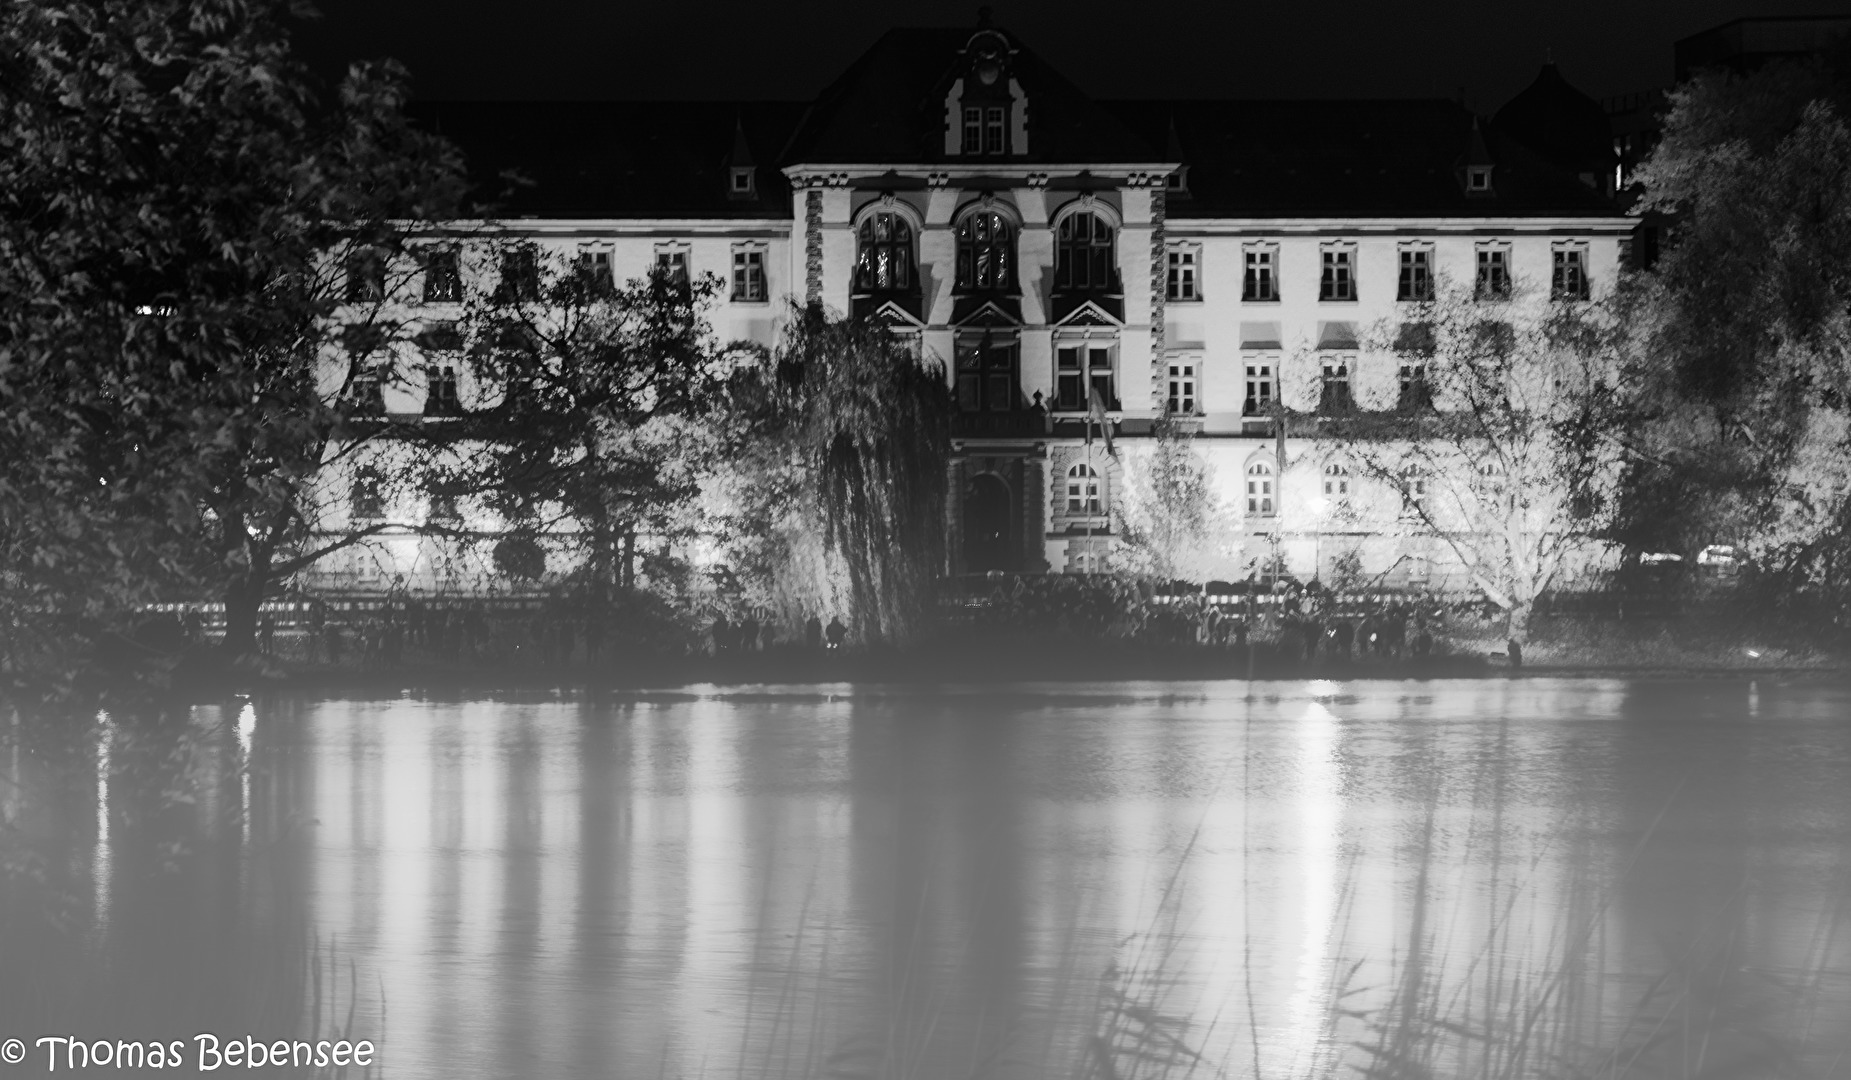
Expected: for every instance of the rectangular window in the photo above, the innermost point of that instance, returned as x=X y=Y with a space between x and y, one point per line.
x=995 y=131
x=1568 y=280
x=973 y=131
x=520 y=274
x=1493 y=280
x=987 y=379
x=1261 y=281
x=1078 y=371
x=1259 y=400
x=674 y=262
x=1259 y=490
x=1182 y=284
x=368 y=499
x=1416 y=281
x=440 y=394
x=1338 y=281
x=1083 y=491
x=366 y=276
x=443 y=278
x=594 y=270
x=1334 y=396
x=444 y=507
x=749 y=275
x=367 y=393
x=1182 y=387
x=1413 y=394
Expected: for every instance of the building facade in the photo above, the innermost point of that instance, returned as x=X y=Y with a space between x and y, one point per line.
x=1222 y=263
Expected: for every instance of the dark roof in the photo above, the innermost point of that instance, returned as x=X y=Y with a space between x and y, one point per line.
x=889 y=108
x=1560 y=123
x=1349 y=159
x=620 y=158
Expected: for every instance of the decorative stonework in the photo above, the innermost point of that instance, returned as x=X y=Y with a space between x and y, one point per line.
x=813 y=246
x=938 y=180
x=1037 y=180
x=1159 y=292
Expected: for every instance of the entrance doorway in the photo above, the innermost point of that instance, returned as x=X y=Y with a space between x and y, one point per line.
x=989 y=538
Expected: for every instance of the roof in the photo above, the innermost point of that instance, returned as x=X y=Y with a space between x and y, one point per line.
x=618 y=158
x=1559 y=122
x=1350 y=159
x=889 y=108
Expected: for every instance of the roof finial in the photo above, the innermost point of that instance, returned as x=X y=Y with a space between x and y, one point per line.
x=983 y=15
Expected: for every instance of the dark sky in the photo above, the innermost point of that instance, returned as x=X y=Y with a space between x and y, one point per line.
x=726 y=49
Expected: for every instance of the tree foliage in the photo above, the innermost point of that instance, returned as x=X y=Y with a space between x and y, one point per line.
x=175 y=206
x=1514 y=469
x=834 y=497
x=1743 y=328
x=1174 y=526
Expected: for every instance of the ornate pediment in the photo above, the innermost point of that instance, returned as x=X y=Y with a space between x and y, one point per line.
x=1089 y=312
x=893 y=315
x=979 y=312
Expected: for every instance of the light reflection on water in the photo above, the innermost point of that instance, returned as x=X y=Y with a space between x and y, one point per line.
x=968 y=881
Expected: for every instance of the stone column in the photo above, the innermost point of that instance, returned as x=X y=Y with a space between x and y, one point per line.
x=813 y=246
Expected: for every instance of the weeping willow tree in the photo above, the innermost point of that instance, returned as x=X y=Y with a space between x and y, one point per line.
x=834 y=490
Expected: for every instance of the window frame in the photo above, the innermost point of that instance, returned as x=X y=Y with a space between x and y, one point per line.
x=1183 y=274
x=1337 y=273
x=1569 y=260
x=1337 y=476
x=1085 y=491
x=987 y=374
x=1183 y=384
x=1262 y=503
x=678 y=257
x=1096 y=256
x=1266 y=377
x=365 y=270
x=1001 y=246
x=443 y=275
x=1336 y=383
x=1260 y=267
x=1085 y=373
x=366 y=500
x=1491 y=280
x=519 y=270
x=751 y=283
x=901 y=253
x=1414 y=278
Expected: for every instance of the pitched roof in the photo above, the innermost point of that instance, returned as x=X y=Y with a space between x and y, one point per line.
x=618 y=158
x=889 y=108
x=1559 y=122
x=1349 y=159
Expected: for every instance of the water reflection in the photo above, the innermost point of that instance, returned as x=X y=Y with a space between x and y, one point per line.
x=1028 y=881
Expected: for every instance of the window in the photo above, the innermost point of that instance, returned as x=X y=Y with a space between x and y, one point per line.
x=1416 y=281
x=1083 y=252
x=995 y=130
x=1182 y=386
x=1080 y=369
x=742 y=184
x=1568 y=281
x=986 y=375
x=1261 y=280
x=1182 y=283
x=1259 y=400
x=1414 y=394
x=1478 y=179
x=1334 y=396
x=973 y=131
x=520 y=274
x=1083 y=491
x=986 y=252
x=366 y=275
x=366 y=501
x=884 y=262
x=1260 y=489
x=594 y=271
x=1414 y=494
x=1493 y=281
x=673 y=261
x=440 y=394
x=749 y=275
x=1336 y=481
x=1338 y=281
x=366 y=393
x=444 y=507
x=443 y=278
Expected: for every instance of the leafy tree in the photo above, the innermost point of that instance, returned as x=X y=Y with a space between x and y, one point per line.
x=1513 y=468
x=1173 y=524
x=833 y=498
x=178 y=210
x=1743 y=328
x=596 y=434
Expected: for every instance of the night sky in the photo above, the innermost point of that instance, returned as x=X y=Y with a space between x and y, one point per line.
x=730 y=49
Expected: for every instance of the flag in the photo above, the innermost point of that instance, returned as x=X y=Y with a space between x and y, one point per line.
x=1095 y=413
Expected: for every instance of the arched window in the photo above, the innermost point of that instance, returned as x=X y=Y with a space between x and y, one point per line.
x=1336 y=481
x=1083 y=252
x=884 y=262
x=1260 y=489
x=1083 y=491
x=986 y=251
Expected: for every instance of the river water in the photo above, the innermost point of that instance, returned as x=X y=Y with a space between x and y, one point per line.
x=1288 y=879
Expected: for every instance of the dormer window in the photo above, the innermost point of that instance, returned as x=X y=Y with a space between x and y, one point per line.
x=1478 y=179
x=986 y=129
x=740 y=182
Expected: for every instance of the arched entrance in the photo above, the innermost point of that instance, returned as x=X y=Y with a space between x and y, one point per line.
x=989 y=538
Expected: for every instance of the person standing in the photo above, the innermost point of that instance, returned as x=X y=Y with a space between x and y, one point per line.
x=838 y=633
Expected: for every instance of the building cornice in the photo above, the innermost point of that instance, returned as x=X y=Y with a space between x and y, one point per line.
x=1180 y=228
x=947 y=174
x=594 y=228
